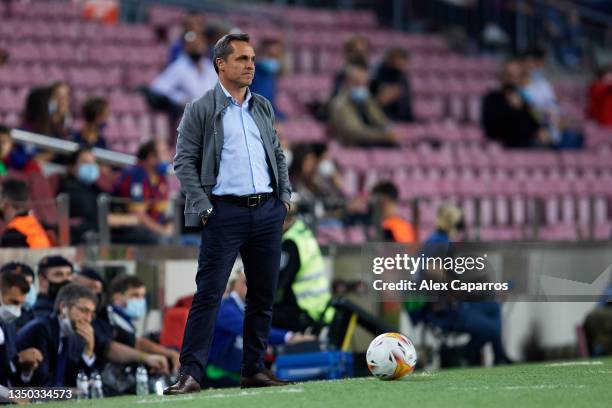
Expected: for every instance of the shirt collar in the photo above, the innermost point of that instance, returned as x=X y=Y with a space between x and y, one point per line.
x=239 y=302
x=246 y=99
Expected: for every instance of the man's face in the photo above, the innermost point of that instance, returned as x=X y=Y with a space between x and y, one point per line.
x=240 y=65
x=59 y=274
x=197 y=44
x=275 y=51
x=240 y=286
x=400 y=63
x=358 y=78
x=82 y=312
x=13 y=297
x=513 y=74
x=62 y=97
x=132 y=293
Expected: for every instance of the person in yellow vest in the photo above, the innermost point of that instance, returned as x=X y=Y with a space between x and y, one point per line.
x=395 y=228
x=22 y=229
x=304 y=289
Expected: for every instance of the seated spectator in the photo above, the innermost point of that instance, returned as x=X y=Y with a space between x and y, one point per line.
x=478 y=316
x=395 y=228
x=13 y=290
x=127 y=303
x=269 y=68
x=95 y=114
x=356 y=53
x=54 y=272
x=355 y=116
x=540 y=94
x=391 y=87
x=59 y=110
x=23 y=230
x=69 y=342
x=225 y=358
x=189 y=77
x=80 y=185
x=507 y=117
x=65 y=339
x=314 y=177
x=25 y=270
x=15 y=157
x=600 y=97
x=147 y=190
x=194 y=21
x=92 y=280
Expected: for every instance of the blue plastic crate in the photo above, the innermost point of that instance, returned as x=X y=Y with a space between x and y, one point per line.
x=324 y=365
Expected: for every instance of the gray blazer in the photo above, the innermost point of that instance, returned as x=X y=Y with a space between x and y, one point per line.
x=198 y=150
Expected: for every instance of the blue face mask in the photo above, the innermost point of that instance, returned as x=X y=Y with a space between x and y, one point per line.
x=88 y=173
x=136 y=308
x=269 y=65
x=31 y=297
x=359 y=94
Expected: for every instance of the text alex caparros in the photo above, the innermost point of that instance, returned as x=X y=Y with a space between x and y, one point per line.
x=412 y=264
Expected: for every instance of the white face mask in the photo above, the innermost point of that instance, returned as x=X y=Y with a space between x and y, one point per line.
x=66 y=324
x=9 y=313
x=326 y=168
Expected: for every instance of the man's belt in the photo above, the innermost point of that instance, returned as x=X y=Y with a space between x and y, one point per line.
x=252 y=200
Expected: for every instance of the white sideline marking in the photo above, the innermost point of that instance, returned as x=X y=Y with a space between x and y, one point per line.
x=518 y=387
x=574 y=363
x=157 y=400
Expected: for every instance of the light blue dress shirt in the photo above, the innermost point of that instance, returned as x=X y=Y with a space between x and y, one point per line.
x=243 y=169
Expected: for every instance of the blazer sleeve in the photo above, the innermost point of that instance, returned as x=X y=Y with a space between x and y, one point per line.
x=35 y=335
x=284 y=186
x=188 y=159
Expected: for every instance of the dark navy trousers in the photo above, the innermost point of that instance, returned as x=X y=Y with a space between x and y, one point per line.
x=255 y=233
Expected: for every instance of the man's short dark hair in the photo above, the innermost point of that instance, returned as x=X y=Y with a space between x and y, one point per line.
x=16 y=192
x=93 y=107
x=146 y=149
x=70 y=294
x=11 y=279
x=387 y=189
x=18 y=268
x=223 y=47
x=123 y=283
x=52 y=261
x=73 y=159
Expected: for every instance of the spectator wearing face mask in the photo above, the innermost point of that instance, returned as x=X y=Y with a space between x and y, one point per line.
x=23 y=229
x=27 y=312
x=80 y=186
x=269 y=67
x=190 y=76
x=96 y=111
x=194 y=21
x=127 y=303
x=356 y=53
x=356 y=118
x=13 y=290
x=54 y=272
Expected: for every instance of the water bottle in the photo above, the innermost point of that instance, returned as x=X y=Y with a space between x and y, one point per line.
x=160 y=384
x=96 y=386
x=82 y=386
x=142 y=381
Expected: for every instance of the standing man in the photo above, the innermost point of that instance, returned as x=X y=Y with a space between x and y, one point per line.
x=233 y=172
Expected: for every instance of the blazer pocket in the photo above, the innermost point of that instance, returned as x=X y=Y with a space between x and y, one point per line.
x=208 y=180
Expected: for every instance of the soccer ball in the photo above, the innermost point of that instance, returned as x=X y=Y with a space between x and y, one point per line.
x=391 y=356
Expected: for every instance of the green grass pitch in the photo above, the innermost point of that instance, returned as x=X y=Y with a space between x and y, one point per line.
x=583 y=383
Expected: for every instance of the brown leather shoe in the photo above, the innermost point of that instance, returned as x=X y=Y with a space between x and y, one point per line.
x=263 y=379
x=185 y=384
